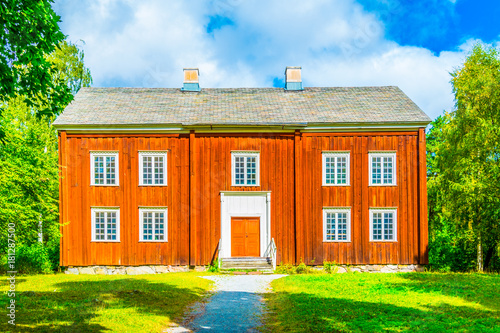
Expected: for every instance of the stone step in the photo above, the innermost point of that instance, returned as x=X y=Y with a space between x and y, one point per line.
x=247 y=259
x=247 y=263
x=258 y=268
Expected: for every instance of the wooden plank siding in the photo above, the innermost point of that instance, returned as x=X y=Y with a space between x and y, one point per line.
x=76 y=246
x=199 y=168
x=212 y=171
x=407 y=196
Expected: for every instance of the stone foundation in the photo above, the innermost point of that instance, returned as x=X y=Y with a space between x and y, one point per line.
x=377 y=268
x=130 y=270
x=137 y=270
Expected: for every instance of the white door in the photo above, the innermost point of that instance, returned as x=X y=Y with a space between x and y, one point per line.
x=245 y=204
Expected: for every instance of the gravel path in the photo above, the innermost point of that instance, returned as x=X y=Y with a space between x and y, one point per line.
x=236 y=305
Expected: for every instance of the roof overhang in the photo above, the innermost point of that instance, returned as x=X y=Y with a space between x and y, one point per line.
x=241 y=128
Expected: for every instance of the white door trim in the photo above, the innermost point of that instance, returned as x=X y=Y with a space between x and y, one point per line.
x=240 y=204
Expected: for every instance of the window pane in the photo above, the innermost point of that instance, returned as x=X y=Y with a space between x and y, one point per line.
x=147 y=170
x=377 y=226
x=239 y=170
x=330 y=226
x=376 y=170
x=158 y=169
x=111 y=226
x=99 y=170
x=251 y=171
x=341 y=226
x=387 y=170
x=99 y=225
x=159 y=226
x=330 y=170
x=245 y=170
x=147 y=226
x=341 y=170
x=388 y=226
x=110 y=170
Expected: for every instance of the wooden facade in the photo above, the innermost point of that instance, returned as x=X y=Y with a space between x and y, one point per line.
x=199 y=169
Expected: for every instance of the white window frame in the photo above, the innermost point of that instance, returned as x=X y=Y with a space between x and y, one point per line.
x=235 y=154
x=153 y=154
x=382 y=154
x=163 y=210
x=116 y=210
x=336 y=154
x=335 y=210
x=394 y=227
x=104 y=154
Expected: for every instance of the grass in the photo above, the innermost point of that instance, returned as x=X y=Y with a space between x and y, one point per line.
x=411 y=302
x=90 y=303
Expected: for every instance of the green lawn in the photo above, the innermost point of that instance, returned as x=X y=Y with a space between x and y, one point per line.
x=411 y=302
x=90 y=303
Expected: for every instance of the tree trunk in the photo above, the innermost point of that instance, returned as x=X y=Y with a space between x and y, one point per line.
x=489 y=255
x=40 y=229
x=479 y=254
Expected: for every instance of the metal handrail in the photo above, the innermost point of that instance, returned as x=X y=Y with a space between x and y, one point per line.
x=219 y=248
x=271 y=252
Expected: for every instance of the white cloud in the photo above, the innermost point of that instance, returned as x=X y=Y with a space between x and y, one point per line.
x=146 y=43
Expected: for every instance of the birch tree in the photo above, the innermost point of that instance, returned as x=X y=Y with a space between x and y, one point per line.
x=468 y=152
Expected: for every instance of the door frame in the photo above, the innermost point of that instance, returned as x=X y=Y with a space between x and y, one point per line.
x=245 y=204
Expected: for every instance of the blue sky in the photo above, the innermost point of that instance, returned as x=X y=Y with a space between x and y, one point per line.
x=238 y=43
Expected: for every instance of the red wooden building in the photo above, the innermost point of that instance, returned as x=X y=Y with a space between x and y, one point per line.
x=168 y=176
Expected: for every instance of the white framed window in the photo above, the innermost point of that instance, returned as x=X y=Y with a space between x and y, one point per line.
x=337 y=224
x=383 y=224
x=382 y=168
x=153 y=223
x=336 y=168
x=245 y=167
x=104 y=168
x=153 y=168
x=105 y=224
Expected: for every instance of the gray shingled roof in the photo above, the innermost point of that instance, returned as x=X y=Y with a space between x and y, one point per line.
x=240 y=106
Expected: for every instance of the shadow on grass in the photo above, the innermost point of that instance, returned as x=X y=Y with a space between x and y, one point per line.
x=74 y=304
x=310 y=309
x=478 y=288
x=318 y=314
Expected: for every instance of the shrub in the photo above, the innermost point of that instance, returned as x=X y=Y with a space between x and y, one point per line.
x=330 y=267
x=30 y=259
x=285 y=269
x=452 y=251
x=302 y=268
x=290 y=269
x=53 y=252
x=214 y=266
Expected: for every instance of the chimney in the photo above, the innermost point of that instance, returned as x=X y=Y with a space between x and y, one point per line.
x=293 y=78
x=191 y=79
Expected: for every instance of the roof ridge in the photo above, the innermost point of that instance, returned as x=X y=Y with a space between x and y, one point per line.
x=240 y=88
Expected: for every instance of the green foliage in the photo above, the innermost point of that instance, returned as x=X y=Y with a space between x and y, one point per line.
x=29 y=172
x=401 y=302
x=97 y=303
x=464 y=168
x=214 y=266
x=452 y=250
x=29 y=183
x=301 y=268
x=28 y=32
x=68 y=70
x=285 y=269
x=330 y=267
x=31 y=259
